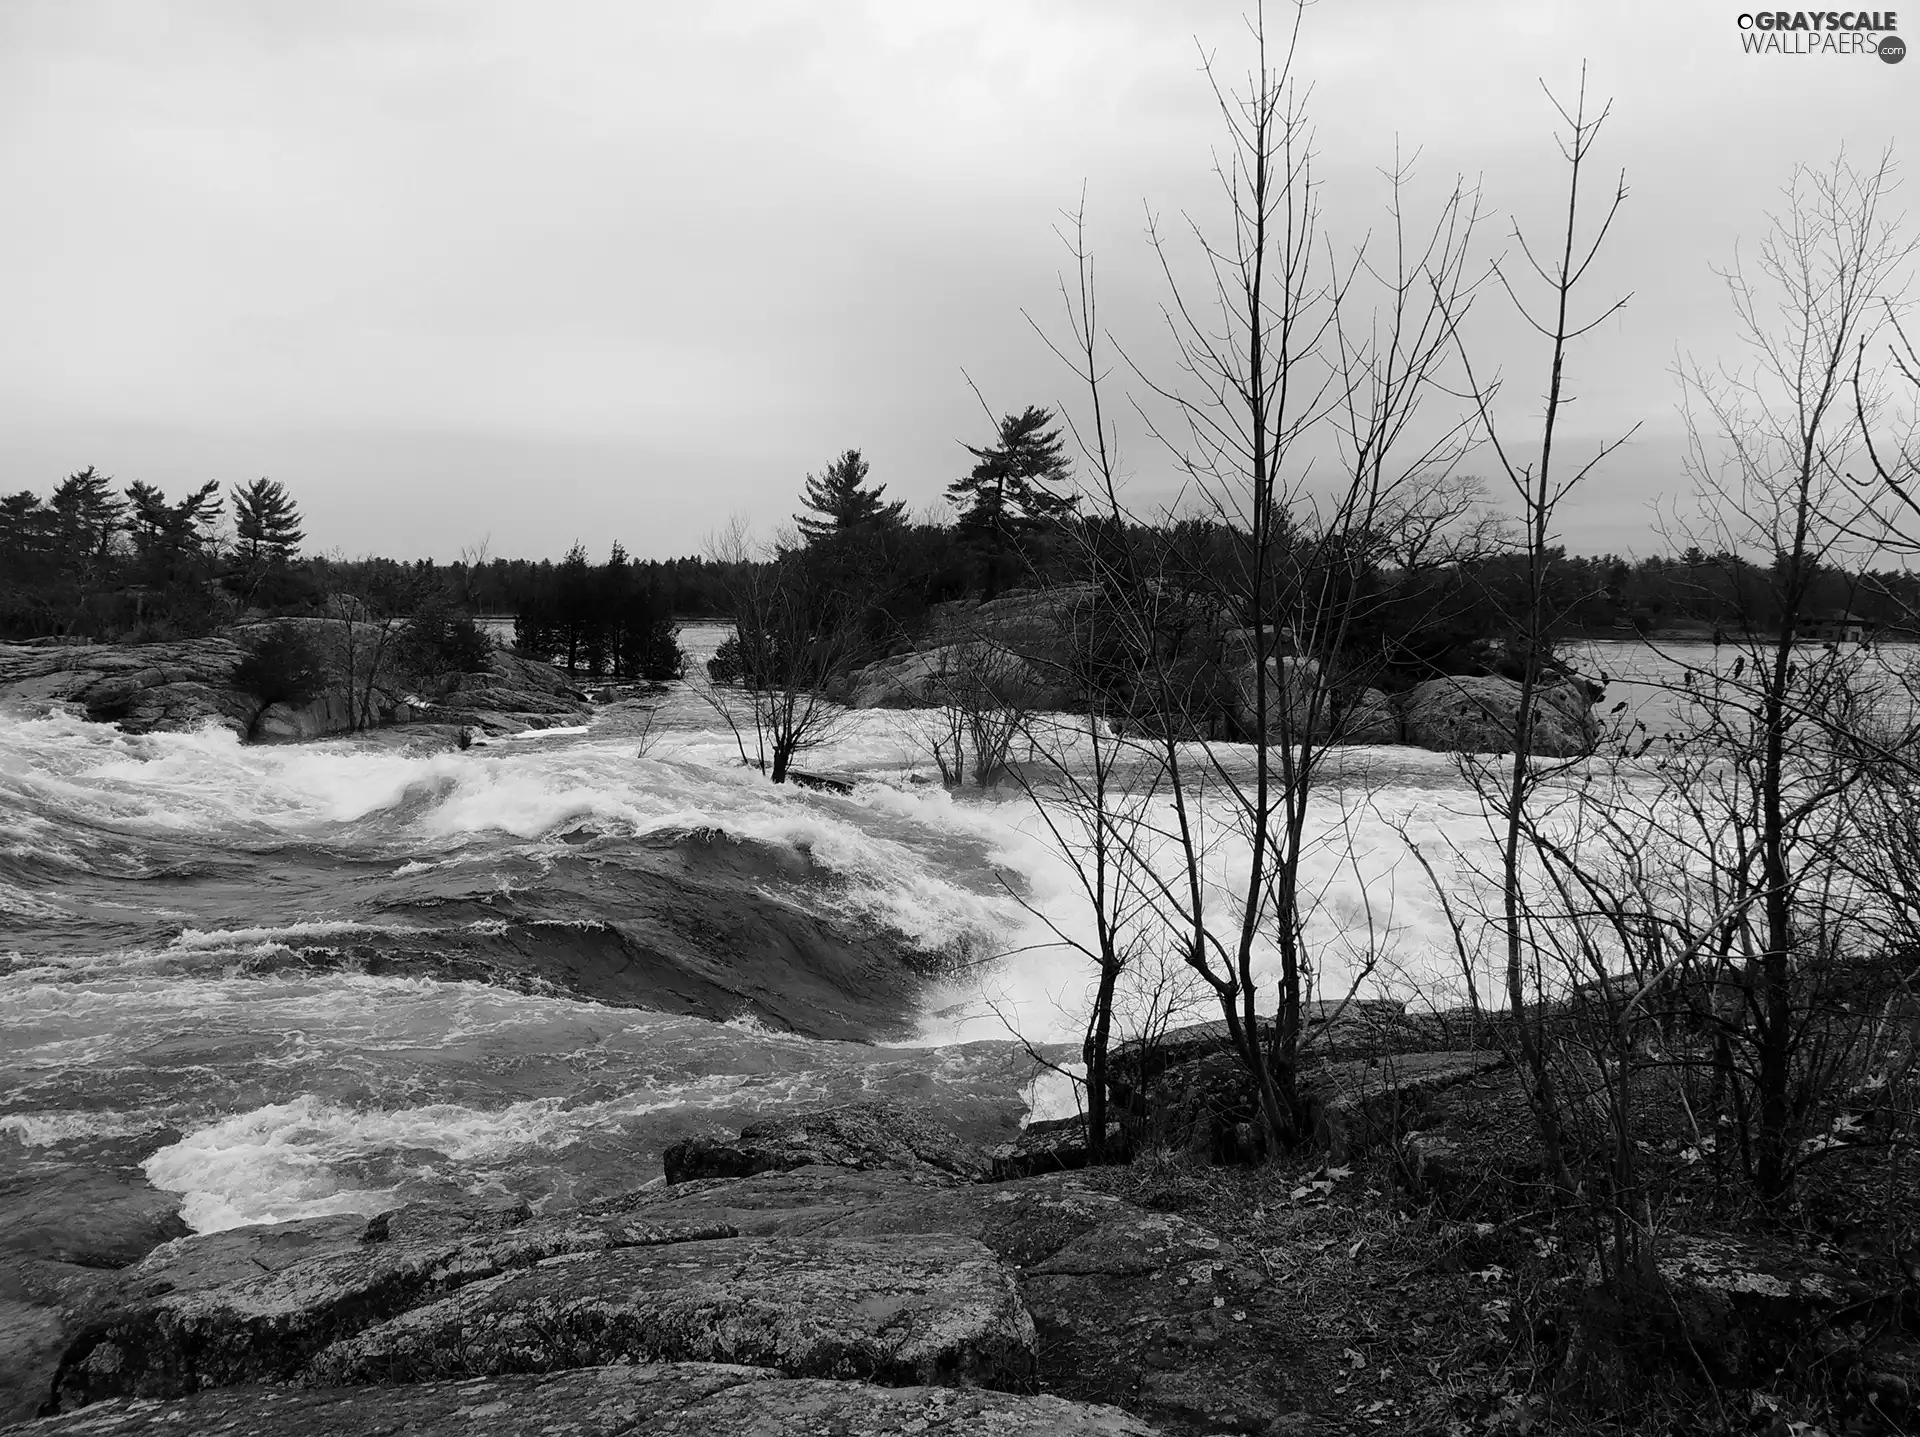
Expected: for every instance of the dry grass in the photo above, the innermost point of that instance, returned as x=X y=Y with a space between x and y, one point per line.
x=1396 y=1319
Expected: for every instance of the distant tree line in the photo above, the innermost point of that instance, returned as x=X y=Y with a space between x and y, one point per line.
x=607 y=619
x=99 y=560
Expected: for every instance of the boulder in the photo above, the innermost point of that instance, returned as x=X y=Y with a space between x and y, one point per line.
x=1299 y=706
x=330 y=713
x=1435 y=1169
x=895 y=1310
x=1477 y=715
x=876 y=1134
x=969 y=671
x=44 y=1307
x=1742 y=1308
x=1056 y=1145
x=1356 y=1105
x=650 y=1400
x=1189 y=1091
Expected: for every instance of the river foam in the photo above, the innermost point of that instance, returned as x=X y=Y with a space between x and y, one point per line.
x=201 y=923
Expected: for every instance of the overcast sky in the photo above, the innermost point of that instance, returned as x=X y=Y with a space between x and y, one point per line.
x=617 y=269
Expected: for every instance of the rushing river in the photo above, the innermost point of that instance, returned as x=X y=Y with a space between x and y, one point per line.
x=283 y=981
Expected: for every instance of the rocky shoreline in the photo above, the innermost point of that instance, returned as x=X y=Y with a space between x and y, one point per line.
x=185 y=684
x=1020 y=649
x=860 y=1269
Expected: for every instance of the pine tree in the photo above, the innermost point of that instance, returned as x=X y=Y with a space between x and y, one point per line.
x=1009 y=491
x=843 y=501
x=170 y=538
x=1009 y=487
x=267 y=523
x=86 y=515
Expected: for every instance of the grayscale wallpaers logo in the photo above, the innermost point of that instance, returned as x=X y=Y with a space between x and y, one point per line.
x=1823 y=32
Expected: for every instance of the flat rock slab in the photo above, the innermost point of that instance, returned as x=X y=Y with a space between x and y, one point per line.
x=894 y=1310
x=255 y=1304
x=849 y=1135
x=1023 y=1222
x=680 y=1400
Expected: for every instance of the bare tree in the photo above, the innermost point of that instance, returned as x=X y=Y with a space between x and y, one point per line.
x=1538 y=485
x=1278 y=349
x=1773 y=444
x=985 y=697
x=792 y=638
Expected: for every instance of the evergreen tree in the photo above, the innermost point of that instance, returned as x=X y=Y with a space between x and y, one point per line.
x=1010 y=491
x=168 y=537
x=267 y=523
x=843 y=502
x=86 y=516
x=25 y=524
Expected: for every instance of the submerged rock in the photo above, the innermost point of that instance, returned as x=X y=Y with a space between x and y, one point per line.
x=851 y=1135
x=654 y=1400
x=86 y=1216
x=890 y=1310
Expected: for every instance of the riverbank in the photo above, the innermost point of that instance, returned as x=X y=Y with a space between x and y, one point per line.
x=871 y=1281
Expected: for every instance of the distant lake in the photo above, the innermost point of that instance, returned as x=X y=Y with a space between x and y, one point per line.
x=1649 y=675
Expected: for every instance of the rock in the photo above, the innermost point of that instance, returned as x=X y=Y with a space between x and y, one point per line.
x=188 y=683
x=1106 y=1283
x=1477 y=715
x=1055 y=1145
x=285 y=723
x=1022 y=1222
x=86 y=1216
x=44 y=1306
x=1018 y=646
x=1434 y=1168
x=142 y=687
x=1134 y=1064
x=892 y=1310
x=1190 y=1091
x=1357 y=1104
x=851 y=1135
x=1743 y=1305
x=255 y=1304
x=1205 y=1106
x=652 y=1400
x=1298 y=706
x=1741 y=1308
x=1133 y=1244
x=969 y=671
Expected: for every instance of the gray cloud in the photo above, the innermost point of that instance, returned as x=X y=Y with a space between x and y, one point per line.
x=610 y=270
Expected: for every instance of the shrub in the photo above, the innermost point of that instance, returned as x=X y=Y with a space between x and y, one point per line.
x=437 y=643
x=282 y=666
